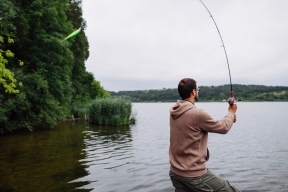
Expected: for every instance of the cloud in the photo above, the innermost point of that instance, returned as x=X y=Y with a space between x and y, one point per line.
x=148 y=44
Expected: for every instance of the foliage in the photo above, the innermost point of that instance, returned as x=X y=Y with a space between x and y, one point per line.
x=26 y=110
x=54 y=76
x=210 y=93
x=133 y=118
x=78 y=109
x=96 y=90
x=111 y=111
x=7 y=78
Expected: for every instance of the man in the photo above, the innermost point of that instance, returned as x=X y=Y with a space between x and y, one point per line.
x=189 y=127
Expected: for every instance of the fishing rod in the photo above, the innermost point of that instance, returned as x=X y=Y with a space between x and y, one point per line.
x=231 y=99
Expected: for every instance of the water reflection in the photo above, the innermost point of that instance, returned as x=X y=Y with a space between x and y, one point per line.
x=106 y=150
x=43 y=160
x=129 y=158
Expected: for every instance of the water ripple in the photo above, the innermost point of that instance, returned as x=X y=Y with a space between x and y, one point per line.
x=252 y=156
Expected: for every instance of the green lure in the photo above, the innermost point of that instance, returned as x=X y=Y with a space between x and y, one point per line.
x=73 y=34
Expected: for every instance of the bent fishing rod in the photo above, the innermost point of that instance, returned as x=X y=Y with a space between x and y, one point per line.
x=231 y=99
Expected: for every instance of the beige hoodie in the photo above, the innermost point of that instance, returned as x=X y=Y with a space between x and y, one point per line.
x=189 y=127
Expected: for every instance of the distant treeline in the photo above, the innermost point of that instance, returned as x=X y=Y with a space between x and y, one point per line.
x=210 y=93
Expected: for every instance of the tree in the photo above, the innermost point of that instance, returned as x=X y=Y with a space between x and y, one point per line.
x=96 y=90
x=7 y=78
x=54 y=74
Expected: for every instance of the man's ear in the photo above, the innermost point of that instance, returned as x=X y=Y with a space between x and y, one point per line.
x=192 y=93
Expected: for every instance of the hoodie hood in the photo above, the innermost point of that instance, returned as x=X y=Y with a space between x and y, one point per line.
x=180 y=107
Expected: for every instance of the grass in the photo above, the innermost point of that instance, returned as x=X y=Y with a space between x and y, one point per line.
x=78 y=109
x=111 y=111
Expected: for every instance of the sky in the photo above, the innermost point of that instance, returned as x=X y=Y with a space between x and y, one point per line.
x=153 y=44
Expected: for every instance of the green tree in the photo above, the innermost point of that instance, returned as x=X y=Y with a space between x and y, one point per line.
x=96 y=90
x=7 y=78
x=54 y=74
x=80 y=79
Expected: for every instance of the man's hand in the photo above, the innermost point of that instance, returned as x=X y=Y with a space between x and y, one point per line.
x=233 y=108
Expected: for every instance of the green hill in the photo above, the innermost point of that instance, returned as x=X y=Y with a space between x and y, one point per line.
x=210 y=93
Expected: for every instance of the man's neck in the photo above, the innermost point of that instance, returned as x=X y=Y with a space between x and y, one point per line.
x=192 y=100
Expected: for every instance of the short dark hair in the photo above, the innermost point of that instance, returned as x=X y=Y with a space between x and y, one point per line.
x=185 y=87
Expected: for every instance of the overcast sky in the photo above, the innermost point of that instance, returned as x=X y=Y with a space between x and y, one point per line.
x=152 y=44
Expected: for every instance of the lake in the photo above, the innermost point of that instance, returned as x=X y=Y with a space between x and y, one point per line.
x=77 y=156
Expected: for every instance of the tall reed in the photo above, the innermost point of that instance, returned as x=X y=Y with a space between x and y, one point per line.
x=111 y=111
x=78 y=109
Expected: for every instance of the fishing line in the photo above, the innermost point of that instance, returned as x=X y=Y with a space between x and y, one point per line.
x=232 y=94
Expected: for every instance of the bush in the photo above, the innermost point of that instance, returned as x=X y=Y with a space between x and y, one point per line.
x=111 y=111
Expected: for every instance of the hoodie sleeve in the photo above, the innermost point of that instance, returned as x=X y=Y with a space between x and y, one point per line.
x=207 y=123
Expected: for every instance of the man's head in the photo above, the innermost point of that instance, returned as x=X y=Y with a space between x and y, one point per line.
x=187 y=88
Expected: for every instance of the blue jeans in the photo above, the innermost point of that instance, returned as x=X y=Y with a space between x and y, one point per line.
x=204 y=183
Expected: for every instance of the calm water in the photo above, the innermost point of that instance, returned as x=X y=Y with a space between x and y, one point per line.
x=77 y=156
